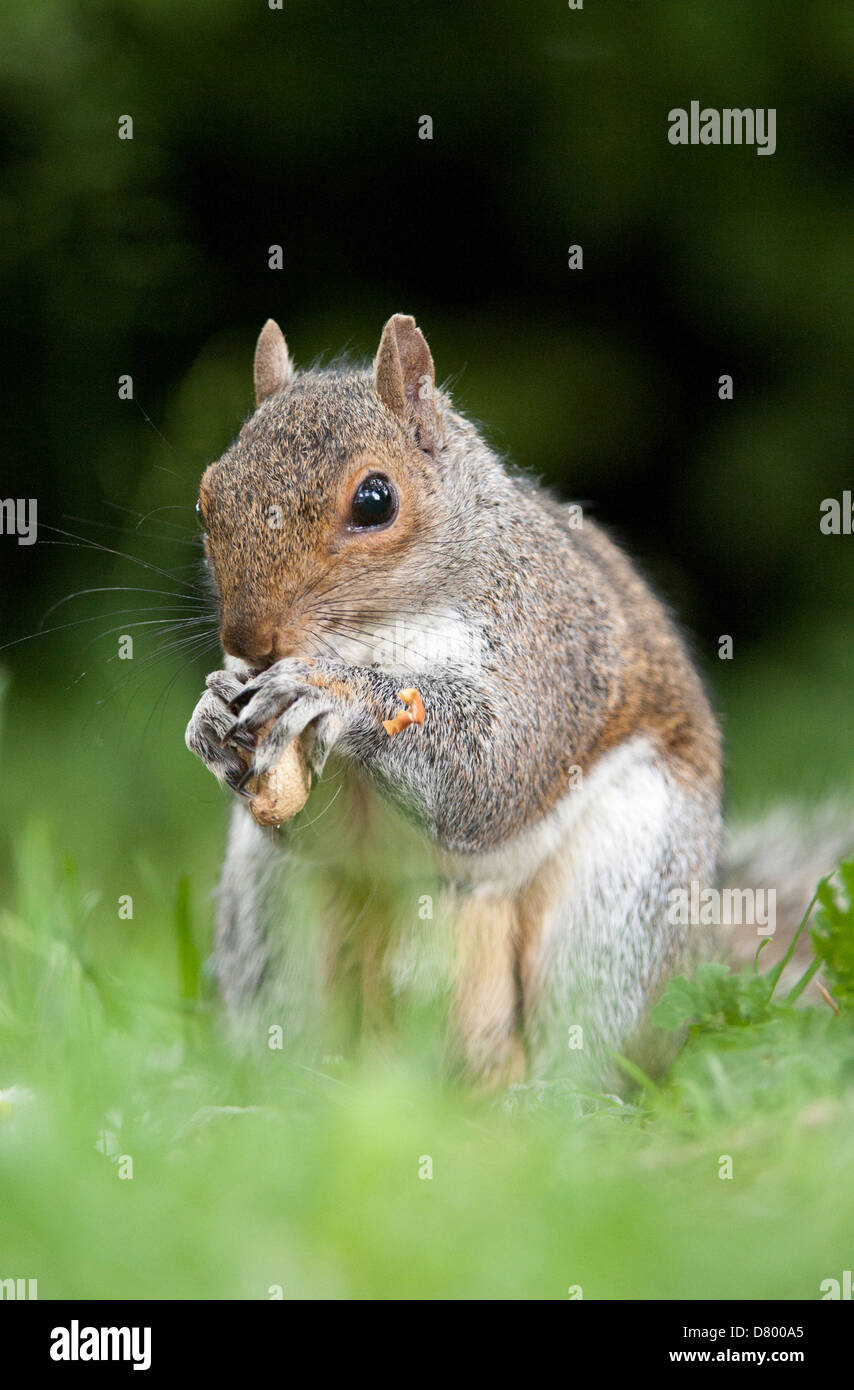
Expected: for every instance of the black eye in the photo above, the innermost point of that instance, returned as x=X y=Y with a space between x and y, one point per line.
x=374 y=502
x=200 y=520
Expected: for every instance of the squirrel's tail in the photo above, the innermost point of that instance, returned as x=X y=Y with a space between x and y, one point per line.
x=785 y=853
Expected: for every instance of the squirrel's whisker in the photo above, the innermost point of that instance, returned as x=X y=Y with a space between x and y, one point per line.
x=77 y=622
x=135 y=531
x=120 y=589
x=170 y=507
x=167 y=626
x=89 y=544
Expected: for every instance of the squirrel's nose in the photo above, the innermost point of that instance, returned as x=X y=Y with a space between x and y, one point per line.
x=254 y=644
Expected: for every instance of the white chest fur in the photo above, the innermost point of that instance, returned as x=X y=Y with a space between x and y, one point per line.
x=620 y=809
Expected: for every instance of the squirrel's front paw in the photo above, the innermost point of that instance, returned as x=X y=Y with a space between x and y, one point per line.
x=210 y=733
x=286 y=699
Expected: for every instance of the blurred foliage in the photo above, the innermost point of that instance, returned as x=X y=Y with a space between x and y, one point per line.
x=833 y=933
x=299 y=127
x=717 y=998
x=260 y=1174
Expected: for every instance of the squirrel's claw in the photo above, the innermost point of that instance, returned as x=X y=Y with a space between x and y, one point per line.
x=211 y=736
x=242 y=698
x=245 y=780
x=241 y=736
x=279 y=705
x=236 y=785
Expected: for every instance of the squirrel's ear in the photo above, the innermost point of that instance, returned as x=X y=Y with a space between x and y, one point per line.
x=273 y=366
x=405 y=380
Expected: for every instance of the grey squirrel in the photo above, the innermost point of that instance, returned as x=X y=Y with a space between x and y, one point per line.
x=362 y=537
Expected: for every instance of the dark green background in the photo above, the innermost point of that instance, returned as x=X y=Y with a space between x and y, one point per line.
x=299 y=127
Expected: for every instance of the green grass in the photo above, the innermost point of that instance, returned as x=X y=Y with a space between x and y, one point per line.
x=247 y=1177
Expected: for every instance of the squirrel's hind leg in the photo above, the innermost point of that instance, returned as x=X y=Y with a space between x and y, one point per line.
x=485 y=1008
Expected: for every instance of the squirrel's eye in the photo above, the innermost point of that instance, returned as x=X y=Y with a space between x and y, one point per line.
x=200 y=520
x=374 y=502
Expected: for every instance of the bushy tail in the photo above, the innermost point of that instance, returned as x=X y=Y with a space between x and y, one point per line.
x=788 y=851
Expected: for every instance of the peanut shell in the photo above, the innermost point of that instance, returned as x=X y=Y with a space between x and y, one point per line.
x=283 y=791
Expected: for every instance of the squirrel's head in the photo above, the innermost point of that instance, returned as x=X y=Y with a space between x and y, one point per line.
x=324 y=519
